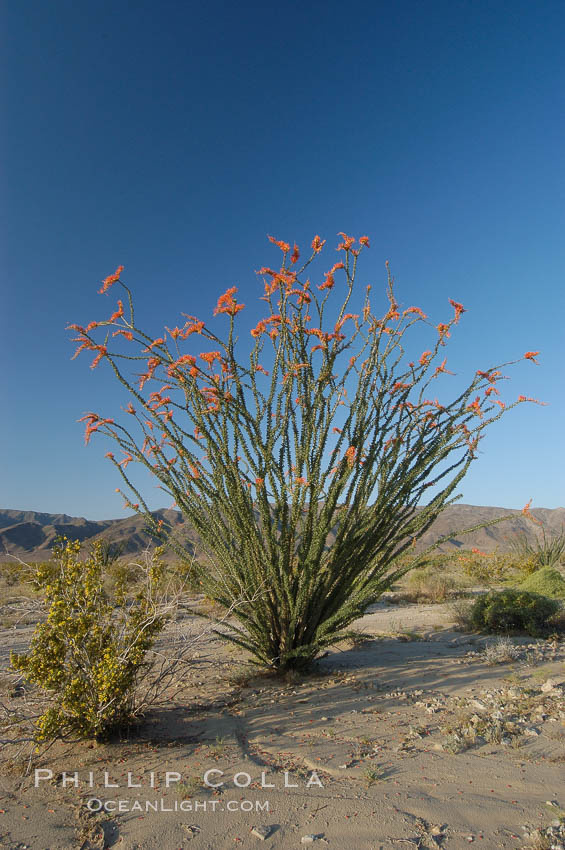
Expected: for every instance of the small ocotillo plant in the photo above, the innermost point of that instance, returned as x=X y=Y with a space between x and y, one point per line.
x=549 y=551
x=303 y=463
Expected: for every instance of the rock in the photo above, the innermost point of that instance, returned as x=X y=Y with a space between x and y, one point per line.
x=308 y=839
x=191 y=829
x=540 y=714
x=261 y=832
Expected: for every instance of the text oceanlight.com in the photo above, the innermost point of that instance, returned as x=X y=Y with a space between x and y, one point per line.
x=94 y=804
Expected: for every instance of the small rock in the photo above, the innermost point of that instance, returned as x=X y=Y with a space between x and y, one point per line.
x=261 y=832
x=541 y=715
x=308 y=839
x=190 y=828
x=531 y=732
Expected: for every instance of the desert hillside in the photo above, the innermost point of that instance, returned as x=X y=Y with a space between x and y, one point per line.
x=30 y=535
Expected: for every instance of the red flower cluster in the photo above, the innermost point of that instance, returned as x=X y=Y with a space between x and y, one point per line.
x=93 y=423
x=111 y=279
x=227 y=304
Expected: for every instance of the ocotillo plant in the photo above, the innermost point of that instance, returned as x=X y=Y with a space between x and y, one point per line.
x=303 y=468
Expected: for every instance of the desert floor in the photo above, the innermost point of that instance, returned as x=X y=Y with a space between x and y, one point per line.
x=415 y=738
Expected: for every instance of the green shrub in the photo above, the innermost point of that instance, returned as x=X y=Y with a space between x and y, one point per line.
x=507 y=611
x=546 y=581
x=89 y=654
x=121 y=578
x=11 y=573
x=107 y=552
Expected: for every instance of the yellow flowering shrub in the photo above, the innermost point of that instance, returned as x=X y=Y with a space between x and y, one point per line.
x=90 y=653
x=491 y=568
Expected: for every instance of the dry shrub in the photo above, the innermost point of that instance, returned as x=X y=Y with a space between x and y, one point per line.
x=501 y=652
x=427 y=585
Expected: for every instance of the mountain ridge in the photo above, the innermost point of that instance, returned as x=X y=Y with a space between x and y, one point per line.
x=30 y=535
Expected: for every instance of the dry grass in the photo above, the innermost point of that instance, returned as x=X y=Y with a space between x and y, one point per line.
x=502 y=651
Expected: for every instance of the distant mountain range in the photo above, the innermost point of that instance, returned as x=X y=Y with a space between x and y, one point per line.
x=30 y=535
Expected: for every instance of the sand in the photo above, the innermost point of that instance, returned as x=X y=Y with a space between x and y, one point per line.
x=360 y=753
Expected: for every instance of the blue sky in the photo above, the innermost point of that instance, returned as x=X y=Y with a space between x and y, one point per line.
x=172 y=137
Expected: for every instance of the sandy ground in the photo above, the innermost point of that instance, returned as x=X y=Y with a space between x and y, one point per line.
x=360 y=753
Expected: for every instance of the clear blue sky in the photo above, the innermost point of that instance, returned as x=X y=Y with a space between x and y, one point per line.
x=171 y=137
